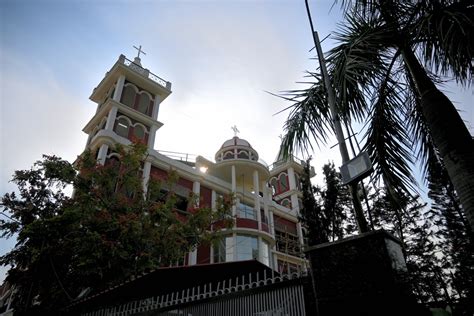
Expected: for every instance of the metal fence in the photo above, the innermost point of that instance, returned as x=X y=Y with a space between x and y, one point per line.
x=256 y=295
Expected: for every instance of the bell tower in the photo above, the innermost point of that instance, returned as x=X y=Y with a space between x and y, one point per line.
x=128 y=101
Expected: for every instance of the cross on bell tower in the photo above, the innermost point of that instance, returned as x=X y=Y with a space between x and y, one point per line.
x=137 y=59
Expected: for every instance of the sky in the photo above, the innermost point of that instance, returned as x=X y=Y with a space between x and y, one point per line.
x=222 y=58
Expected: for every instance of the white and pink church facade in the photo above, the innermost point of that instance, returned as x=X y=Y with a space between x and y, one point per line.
x=268 y=198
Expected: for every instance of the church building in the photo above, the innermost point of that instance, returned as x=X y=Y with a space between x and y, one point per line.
x=268 y=198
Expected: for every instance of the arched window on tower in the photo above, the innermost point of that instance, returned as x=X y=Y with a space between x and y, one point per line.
x=128 y=96
x=286 y=203
x=122 y=126
x=143 y=103
x=139 y=132
x=283 y=182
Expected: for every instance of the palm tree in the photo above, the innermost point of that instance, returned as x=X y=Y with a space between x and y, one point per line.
x=377 y=73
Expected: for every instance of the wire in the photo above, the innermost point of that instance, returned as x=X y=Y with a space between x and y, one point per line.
x=10 y=218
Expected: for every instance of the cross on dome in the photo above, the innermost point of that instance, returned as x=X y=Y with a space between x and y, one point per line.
x=236 y=130
x=139 y=50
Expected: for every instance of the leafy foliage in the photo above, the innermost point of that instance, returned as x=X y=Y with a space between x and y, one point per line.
x=457 y=243
x=106 y=232
x=326 y=212
x=435 y=240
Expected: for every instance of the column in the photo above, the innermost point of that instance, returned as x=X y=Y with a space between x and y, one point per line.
x=196 y=191
x=266 y=202
x=231 y=248
x=109 y=125
x=146 y=176
x=234 y=190
x=299 y=228
x=102 y=155
x=291 y=178
x=213 y=200
x=192 y=257
x=260 y=249
x=295 y=205
x=275 y=259
x=151 y=136
x=89 y=138
x=271 y=223
x=119 y=88
x=211 y=254
x=256 y=189
x=156 y=106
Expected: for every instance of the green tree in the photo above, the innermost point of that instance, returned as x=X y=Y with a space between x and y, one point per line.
x=104 y=233
x=378 y=79
x=405 y=217
x=326 y=211
x=312 y=215
x=456 y=239
x=435 y=242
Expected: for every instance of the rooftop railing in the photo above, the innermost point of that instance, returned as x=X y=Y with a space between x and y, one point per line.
x=292 y=158
x=144 y=72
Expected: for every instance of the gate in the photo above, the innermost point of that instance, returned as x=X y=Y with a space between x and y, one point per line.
x=252 y=295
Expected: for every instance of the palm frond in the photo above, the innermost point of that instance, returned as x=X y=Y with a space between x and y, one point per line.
x=309 y=119
x=387 y=140
x=444 y=33
x=357 y=63
x=364 y=7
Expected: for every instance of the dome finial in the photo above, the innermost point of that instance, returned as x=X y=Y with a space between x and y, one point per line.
x=236 y=130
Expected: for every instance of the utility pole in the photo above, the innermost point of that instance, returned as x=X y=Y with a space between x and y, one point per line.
x=359 y=214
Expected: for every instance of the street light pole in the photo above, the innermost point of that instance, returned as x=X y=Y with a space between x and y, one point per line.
x=359 y=214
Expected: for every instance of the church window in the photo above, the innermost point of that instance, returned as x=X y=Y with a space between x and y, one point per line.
x=283 y=182
x=243 y=155
x=122 y=127
x=228 y=155
x=246 y=247
x=223 y=249
x=143 y=103
x=286 y=203
x=128 y=96
x=246 y=211
x=263 y=217
x=139 y=132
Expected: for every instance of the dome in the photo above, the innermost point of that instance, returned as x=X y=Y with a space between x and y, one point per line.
x=236 y=148
x=235 y=141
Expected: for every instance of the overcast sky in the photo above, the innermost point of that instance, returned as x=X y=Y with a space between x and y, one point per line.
x=221 y=57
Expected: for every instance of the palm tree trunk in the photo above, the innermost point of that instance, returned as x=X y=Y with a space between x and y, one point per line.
x=449 y=133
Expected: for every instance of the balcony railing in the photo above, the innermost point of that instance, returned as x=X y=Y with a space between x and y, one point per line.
x=290 y=158
x=144 y=72
x=183 y=157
